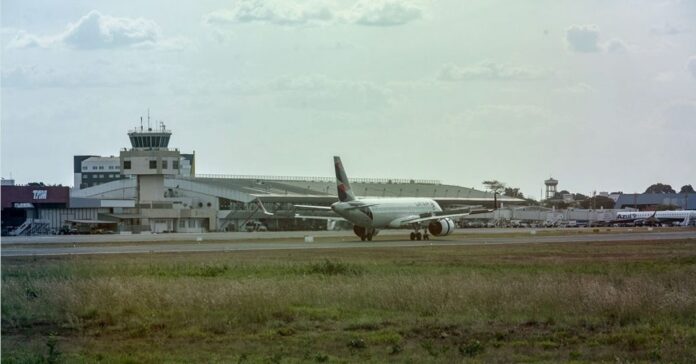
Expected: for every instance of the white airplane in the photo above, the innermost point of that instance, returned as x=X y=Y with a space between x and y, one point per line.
x=679 y=217
x=370 y=214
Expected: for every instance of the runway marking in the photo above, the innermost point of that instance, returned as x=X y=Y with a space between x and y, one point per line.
x=248 y=246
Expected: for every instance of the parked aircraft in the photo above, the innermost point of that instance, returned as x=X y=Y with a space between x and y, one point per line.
x=679 y=217
x=368 y=215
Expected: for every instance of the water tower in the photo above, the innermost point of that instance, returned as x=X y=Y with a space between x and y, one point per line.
x=551 y=185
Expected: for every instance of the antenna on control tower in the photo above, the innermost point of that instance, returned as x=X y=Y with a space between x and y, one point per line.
x=141 y=123
x=148 y=120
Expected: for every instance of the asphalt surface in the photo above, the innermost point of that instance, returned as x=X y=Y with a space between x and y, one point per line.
x=230 y=242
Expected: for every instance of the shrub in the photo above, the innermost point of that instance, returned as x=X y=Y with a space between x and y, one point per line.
x=330 y=268
x=471 y=348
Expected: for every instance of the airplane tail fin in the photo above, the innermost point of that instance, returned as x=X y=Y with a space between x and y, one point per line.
x=342 y=184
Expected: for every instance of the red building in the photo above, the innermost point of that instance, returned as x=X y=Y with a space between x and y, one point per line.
x=22 y=202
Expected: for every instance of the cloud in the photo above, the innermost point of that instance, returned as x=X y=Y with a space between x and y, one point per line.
x=579 y=88
x=664 y=76
x=583 y=38
x=273 y=12
x=385 y=12
x=503 y=118
x=23 y=39
x=668 y=29
x=100 y=73
x=616 y=46
x=679 y=116
x=97 y=31
x=315 y=92
x=691 y=66
x=488 y=71
x=287 y=13
x=323 y=93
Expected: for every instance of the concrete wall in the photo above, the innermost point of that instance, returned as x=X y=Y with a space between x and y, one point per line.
x=150 y=188
x=140 y=162
x=57 y=217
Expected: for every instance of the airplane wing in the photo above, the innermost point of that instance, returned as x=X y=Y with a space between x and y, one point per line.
x=330 y=218
x=313 y=207
x=475 y=200
x=354 y=207
x=263 y=208
x=418 y=219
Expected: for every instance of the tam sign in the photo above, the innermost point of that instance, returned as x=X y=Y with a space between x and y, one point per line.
x=57 y=196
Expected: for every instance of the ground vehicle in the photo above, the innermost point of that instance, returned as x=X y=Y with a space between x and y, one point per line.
x=254 y=226
x=67 y=230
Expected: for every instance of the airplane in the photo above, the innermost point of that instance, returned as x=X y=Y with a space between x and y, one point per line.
x=368 y=215
x=677 y=217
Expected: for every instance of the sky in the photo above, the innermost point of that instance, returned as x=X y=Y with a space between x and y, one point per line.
x=600 y=95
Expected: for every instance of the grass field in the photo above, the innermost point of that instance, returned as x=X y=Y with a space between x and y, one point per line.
x=612 y=302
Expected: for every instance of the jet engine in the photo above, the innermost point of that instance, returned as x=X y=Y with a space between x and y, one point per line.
x=364 y=233
x=359 y=230
x=442 y=227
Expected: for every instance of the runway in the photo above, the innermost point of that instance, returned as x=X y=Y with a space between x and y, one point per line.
x=187 y=243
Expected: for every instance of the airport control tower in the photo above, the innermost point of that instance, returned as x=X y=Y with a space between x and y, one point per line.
x=551 y=185
x=150 y=160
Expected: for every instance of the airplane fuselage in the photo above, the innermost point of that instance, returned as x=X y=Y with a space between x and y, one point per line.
x=660 y=216
x=385 y=212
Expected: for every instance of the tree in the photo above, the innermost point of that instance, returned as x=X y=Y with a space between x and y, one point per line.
x=513 y=192
x=559 y=195
x=557 y=204
x=597 y=202
x=579 y=197
x=36 y=184
x=495 y=186
x=687 y=189
x=660 y=188
x=531 y=202
x=668 y=207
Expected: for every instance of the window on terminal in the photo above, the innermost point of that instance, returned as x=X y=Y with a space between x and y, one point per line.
x=153 y=164
x=164 y=164
x=126 y=164
x=175 y=164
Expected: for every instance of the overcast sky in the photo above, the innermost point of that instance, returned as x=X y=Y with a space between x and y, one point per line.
x=601 y=95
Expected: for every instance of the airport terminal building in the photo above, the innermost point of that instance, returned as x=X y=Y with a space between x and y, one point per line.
x=151 y=187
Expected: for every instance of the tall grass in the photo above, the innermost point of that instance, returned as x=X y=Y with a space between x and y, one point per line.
x=484 y=296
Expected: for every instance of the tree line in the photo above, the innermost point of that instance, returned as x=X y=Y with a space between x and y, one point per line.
x=501 y=189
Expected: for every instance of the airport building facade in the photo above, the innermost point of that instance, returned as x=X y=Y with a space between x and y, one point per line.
x=151 y=187
x=652 y=201
x=93 y=170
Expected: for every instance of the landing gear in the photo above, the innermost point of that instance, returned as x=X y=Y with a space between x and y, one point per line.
x=369 y=236
x=416 y=235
